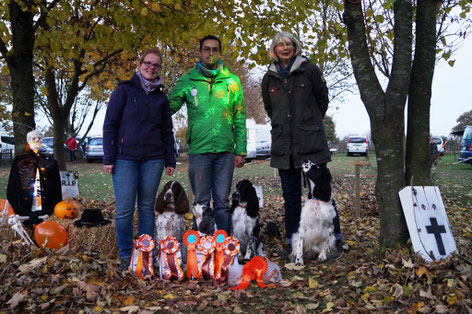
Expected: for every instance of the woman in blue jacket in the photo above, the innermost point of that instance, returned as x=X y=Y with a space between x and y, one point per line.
x=137 y=143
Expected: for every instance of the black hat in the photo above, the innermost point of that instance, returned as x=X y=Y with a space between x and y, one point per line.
x=92 y=218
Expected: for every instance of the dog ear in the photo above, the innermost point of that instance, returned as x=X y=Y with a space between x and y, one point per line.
x=323 y=188
x=160 y=202
x=252 y=207
x=181 y=200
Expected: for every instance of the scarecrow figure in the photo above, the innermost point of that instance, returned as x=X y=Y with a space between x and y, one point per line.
x=34 y=185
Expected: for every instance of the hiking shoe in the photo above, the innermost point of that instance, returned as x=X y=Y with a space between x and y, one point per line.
x=124 y=263
x=286 y=251
x=338 y=252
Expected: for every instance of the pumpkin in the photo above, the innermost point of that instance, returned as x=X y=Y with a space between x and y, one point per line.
x=50 y=234
x=9 y=212
x=66 y=209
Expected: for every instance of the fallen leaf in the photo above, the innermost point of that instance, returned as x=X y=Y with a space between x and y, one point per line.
x=129 y=300
x=408 y=264
x=16 y=299
x=130 y=309
x=312 y=306
x=3 y=258
x=312 y=283
x=169 y=296
x=292 y=266
x=28 y=267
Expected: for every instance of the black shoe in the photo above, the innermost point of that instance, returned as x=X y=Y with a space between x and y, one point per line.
x=124 y=263
x=338 y=252
x=286 y=251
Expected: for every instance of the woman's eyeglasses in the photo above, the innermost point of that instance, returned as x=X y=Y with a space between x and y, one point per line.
x=155 y=65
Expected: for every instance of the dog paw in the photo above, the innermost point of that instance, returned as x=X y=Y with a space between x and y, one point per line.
x=322 y=257
x=299 y=262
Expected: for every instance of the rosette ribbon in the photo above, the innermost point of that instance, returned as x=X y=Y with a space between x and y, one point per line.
x=191 y=239
x=170 y=259
x=254 y=269
x=219 y=239
x=247 y=275
x=259 y=268
x=230 y=250
x=206 y=249
x=144 y=245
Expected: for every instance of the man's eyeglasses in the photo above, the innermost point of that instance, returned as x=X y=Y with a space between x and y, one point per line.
x=155 y=65
x=210 y=49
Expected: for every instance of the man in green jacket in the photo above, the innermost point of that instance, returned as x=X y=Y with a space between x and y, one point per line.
x=216 y=132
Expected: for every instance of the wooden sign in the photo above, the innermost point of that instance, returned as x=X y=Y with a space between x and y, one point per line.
x=427 y=222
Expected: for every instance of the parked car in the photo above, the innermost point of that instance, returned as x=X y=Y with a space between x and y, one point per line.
x=48 y=141
x=263 y=148
x=357 y=145
x=465 y=154
x=440 y=144
x=7 y=142
x=94 y=149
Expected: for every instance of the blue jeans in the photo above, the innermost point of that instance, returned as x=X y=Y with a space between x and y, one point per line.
x=130 y=179
x=212 y=175
x=291 y=180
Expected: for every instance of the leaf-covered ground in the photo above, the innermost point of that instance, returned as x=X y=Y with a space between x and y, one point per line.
x=84 y=276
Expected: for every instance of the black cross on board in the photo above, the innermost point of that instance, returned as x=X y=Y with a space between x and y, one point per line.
x=436 y=229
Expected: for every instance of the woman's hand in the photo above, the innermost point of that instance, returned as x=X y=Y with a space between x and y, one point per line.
x=108 y=168
x=170 y=171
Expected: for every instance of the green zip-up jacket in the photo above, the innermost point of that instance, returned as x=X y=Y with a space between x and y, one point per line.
x=216 y=112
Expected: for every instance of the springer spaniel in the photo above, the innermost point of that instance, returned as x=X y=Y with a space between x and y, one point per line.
x=315 y=234
x=245 y=219
x=171 y=204
x=204 y=221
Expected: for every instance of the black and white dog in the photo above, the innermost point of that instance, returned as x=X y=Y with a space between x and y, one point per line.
x=171 y=204
x=204 y=221
x=315 y=234
x=245 y=219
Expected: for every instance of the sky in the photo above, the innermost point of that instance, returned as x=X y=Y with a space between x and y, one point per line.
x=451 y=96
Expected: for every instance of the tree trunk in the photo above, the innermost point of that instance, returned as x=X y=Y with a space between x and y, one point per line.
x=20 y=64
x=58 y=117
x=386 y=112
x=418 y=155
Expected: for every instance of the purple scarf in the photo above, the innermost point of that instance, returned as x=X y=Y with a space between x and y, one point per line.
x=147 y=85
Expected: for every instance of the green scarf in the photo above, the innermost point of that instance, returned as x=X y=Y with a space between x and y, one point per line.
x=210 y=73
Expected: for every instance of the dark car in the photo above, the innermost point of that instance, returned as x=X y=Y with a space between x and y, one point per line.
x=465 y=154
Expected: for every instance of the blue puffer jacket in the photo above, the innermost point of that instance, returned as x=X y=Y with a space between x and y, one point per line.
x=138 y=126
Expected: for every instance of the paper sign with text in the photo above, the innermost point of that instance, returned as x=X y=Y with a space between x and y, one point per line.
x=69 y=184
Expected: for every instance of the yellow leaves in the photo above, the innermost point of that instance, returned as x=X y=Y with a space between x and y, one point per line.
x=369 y=289
x=408 y=264
x=351 y=243
x=451 y=299
x=3 y=258
x=312 y=306
x=313 y=283
x=155 y=7
x=144 y=11
x=169 y=296
x=329 y=307
x=451 y=63
x=129 y=300
x=188 y=216
x=27 y=114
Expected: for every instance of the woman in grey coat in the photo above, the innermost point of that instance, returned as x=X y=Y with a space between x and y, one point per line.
x=296 y=99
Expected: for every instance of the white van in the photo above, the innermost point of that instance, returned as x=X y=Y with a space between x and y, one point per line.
x=357 y=145
x=7 y=142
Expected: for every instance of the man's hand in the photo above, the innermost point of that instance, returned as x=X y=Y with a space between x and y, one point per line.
x=170 y=171
x=239 y=161
x=108 y=168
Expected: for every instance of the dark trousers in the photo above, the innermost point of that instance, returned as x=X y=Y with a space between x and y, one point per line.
x=72 y=155
x=291 y=180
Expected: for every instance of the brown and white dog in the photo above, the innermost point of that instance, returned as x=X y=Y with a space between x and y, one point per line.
x=171 y=204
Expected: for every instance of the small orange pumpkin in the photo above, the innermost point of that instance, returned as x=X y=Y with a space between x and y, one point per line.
x=2 y=207
x=66 y=209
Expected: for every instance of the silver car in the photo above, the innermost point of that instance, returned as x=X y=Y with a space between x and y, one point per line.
x=94 y=149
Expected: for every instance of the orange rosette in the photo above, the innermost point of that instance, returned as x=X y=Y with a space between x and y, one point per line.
x=247 y=275
x=191 y=240
x=219 y=238
x=169 y=261
x=231 y=249
x=145 y=245
x=259 y=267
x=206 y=247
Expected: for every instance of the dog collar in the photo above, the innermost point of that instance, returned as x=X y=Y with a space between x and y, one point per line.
x=315 y=198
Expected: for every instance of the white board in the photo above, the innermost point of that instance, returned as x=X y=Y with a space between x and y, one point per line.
x=69 y=184
x=427 y=222
x=259 y=195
